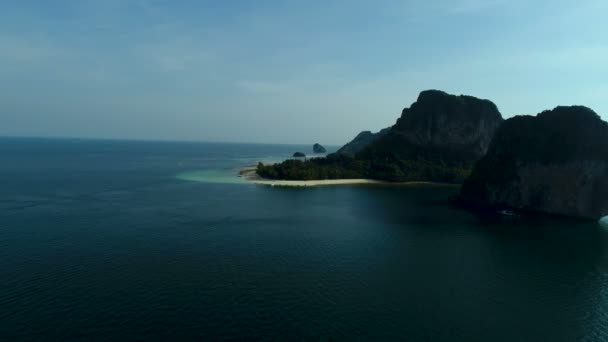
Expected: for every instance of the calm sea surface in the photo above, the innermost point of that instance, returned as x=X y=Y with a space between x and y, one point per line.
x=116 y=240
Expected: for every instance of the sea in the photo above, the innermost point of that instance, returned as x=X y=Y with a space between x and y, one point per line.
x=105 y=240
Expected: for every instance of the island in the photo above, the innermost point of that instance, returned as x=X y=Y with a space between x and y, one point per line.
x=553 y=163
x=437 y=139
x=318 y=148
x=299 y=155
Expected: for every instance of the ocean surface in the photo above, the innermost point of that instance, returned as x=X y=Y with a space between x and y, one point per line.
x=143 y=241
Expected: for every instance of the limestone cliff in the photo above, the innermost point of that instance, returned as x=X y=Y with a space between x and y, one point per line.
x=438 y=138
x=453 y=127
x=556 y=163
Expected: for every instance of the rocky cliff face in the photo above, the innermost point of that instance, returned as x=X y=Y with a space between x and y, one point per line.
x=556 y=162
x=361 y=141
x=442 y=121
x=437 y=139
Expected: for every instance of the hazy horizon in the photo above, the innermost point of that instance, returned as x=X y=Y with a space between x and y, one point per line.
x=202 y=141
x=285 y=72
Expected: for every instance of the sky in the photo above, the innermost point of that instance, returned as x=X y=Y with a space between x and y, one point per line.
x=285 y=71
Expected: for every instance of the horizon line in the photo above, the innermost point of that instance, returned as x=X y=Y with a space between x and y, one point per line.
x=57 y=137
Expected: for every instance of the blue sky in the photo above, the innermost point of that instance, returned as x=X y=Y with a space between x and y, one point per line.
x=286 y=71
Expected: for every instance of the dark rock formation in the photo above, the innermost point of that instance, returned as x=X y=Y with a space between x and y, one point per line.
x=318 y=148
x=457 y=127
x=361 y=141
x=556 y=163
x=299 y=155
x=437 y=139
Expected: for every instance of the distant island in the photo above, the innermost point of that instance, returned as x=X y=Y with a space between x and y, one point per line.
x=318 y=148
x=437 y=139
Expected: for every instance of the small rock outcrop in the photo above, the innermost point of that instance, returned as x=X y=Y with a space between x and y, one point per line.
x=555 y=162
x=318 y=148
x=361 y=141
x=299 y=155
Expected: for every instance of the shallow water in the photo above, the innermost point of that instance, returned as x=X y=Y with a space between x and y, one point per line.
x=107 y=240
x=225 y=176
x=604 y=221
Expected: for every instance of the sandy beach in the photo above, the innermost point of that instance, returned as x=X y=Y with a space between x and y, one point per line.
x=250 y=174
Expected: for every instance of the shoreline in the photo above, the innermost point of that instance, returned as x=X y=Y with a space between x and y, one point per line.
x=249 y=173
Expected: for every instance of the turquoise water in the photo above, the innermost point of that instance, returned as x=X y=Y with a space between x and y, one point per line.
x=212 y=176
x=117 y=240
